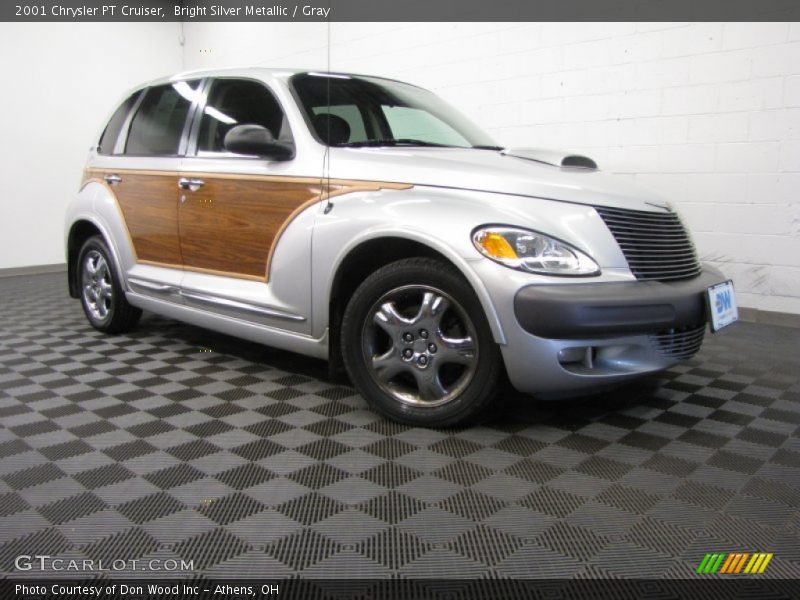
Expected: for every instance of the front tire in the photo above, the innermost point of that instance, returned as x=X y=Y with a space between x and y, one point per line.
x=417 y=345
x=101 y=293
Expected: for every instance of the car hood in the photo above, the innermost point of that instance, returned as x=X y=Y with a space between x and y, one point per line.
x=522 y=172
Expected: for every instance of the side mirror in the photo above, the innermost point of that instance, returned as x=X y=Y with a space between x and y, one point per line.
x=256 y=140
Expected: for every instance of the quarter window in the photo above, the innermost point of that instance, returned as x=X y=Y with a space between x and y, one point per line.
x=234 y=102
x=158 y=124
x=110 y=134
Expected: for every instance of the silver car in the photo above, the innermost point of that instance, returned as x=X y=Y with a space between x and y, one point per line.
x=364 y=221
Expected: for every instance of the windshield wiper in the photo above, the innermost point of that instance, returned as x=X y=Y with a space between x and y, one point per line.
x=482 y=147
x=392 y=142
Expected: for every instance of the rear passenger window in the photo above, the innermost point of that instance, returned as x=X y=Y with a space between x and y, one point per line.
x=109 y=138
x=238 y=102
x=158 y=124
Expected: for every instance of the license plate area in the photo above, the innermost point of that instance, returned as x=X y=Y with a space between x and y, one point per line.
x=722 y=308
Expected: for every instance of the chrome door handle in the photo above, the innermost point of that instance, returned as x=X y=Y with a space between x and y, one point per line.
x=112 y=179
x=190 y=184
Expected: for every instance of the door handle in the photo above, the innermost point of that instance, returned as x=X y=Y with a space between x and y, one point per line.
x=112 y=179
x=190 y=184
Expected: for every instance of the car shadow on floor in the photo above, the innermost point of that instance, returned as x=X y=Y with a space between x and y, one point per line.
x=511 y=411
x=515 y=411
x=198 y=339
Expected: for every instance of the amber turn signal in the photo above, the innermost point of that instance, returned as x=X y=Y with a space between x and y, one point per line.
x=496 y=246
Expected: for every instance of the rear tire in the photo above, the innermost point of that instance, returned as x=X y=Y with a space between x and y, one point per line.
x=102 y=296
x=417 y=345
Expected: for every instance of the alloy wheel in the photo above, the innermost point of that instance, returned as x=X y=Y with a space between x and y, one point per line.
x=98 y=291
x=420 y=346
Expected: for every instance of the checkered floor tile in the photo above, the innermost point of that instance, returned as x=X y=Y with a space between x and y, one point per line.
x=175 y=442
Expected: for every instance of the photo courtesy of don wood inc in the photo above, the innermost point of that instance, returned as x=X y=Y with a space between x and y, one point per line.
x=132 y=589
x=387 y=300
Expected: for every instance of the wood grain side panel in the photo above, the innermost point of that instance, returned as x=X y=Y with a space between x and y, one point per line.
x=149 y=204
x=229 y=225
x=333 y=188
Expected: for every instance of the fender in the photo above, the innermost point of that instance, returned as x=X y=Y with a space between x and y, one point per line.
x=89 y=207
x=458 y=261
x=415 y=214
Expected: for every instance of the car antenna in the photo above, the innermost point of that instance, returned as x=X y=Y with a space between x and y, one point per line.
x=327 y=160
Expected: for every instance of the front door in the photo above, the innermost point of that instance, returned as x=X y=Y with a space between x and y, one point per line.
x=229 y=223
x=232 y=209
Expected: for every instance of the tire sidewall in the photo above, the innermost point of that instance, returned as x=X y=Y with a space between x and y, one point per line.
x=96 y=243
x=438 y=275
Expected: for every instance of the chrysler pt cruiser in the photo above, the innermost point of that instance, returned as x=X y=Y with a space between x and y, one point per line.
x=364 y=221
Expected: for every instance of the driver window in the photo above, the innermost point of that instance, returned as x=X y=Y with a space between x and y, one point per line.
x=351 y=114
x=234 y=102
x=412 y=123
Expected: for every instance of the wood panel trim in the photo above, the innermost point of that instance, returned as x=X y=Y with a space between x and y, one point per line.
x=367 y=184
x=155 y=263
x=347 y=187
x=89 y=179
x=104 y=170
x=331 y=188
x=150 y=222
x=225 y=273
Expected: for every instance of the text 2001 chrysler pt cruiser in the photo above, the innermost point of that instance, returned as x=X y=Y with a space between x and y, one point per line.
x=365 y=221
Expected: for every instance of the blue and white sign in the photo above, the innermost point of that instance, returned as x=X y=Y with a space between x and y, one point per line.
x=722 y=305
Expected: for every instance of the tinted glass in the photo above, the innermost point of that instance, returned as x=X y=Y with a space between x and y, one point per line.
x=109 y=138
x=390 y=113
x=157 y=126
x=405 y=122
x=234 y=102
x=351 y=114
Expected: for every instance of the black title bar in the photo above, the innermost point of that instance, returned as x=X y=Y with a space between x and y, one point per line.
x=399 y=10
x=735 y=588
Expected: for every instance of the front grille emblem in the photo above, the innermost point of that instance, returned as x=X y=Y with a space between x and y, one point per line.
x=666 y=206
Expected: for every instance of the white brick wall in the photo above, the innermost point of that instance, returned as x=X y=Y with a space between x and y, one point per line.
x=707 y=113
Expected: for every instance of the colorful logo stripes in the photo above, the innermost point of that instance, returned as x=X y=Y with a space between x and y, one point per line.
x=735 y=562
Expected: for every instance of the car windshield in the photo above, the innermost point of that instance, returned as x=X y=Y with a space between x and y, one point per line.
x=354 y=111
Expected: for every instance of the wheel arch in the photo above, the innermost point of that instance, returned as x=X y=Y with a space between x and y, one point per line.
x=81 y=230
x=365 y=256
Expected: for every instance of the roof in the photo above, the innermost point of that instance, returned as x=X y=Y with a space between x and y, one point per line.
x=251 y=72
x=257 y=72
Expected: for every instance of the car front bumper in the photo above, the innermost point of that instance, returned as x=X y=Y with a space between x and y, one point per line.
x=572 y=338
x=612 y=309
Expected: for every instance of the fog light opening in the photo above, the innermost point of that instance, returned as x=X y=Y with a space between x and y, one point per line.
x=578 y=355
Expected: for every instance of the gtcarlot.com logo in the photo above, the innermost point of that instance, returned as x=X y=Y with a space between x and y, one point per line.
x=735 y=563
x=42 y=562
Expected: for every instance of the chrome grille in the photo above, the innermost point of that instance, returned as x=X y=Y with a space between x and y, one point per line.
x=682 y=343
x=656 y=245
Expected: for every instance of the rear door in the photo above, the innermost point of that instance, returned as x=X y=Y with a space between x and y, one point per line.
x=146 y=186
x=138 y=159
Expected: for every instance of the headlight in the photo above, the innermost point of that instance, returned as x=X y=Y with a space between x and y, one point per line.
x=532 y=251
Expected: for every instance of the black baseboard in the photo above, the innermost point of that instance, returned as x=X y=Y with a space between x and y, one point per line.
x=34 y=270
x=769 y=317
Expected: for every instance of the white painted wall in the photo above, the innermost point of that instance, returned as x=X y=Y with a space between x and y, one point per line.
x=60 y=81
x=707 y=113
